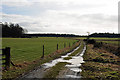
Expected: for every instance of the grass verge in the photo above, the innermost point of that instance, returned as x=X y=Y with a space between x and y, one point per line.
x=100 y=64
x=67 y=58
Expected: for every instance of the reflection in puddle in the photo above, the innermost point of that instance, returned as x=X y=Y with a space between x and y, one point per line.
x=76 y=69
x=54 y=62
x=74 y=66
x=72 y=76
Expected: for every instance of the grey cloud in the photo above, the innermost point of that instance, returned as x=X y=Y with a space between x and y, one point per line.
x=93 y=17
x=68 y=23
x=63 y=16
x=32 y=27
x=101 y=17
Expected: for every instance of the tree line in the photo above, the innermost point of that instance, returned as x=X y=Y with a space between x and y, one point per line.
x=109 y=35
x=12 y=30
x=51 y=35
x=15 y=30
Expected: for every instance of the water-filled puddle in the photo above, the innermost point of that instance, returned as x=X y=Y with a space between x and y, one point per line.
x=76 y=69
x=74 y=66
x=72 y=76
x=61 y=59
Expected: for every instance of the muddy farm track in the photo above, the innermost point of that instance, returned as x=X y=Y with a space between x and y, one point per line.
x=70 y=70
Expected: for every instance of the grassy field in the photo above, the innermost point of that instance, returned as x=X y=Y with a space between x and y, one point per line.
x=26 y=53
x=104 y=38
x=29 y=49
x=97 y=38
x=113 y=41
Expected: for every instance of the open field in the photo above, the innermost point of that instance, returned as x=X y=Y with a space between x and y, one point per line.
x=29 y=49
x=26 y=52
x=113 y=41
x=104 y=38
x=98 y=38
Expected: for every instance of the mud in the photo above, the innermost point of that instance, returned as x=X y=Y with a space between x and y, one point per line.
x=72 y=70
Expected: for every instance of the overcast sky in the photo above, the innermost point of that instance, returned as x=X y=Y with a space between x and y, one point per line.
x=62 y=16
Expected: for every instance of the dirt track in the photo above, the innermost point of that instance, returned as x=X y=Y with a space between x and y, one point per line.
x=40 y=71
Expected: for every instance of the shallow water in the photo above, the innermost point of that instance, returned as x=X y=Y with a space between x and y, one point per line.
x=72 y=76
x=72 y=71
x=74 y=66
x=61 y=59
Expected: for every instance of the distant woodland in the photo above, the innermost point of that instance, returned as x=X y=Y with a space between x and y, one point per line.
x=15 y=30
x=12 y=30
x=109 y=35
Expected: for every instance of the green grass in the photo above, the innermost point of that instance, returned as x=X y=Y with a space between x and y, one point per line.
x=26 y=53
x=100 y=64
x=111 y=42
x=104 y=38
x=29 y=49
x=54 y=71
x=98 y=38
x=78 y=50
x=67 y=58
x=98 y=71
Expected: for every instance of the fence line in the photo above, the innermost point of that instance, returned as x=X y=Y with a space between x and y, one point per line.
x=57 y=48
x=43 y=52
x=6 y=53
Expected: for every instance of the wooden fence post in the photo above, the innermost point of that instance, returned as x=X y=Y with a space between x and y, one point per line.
x=57 y=46
x=43 y=52
x=7 y=55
